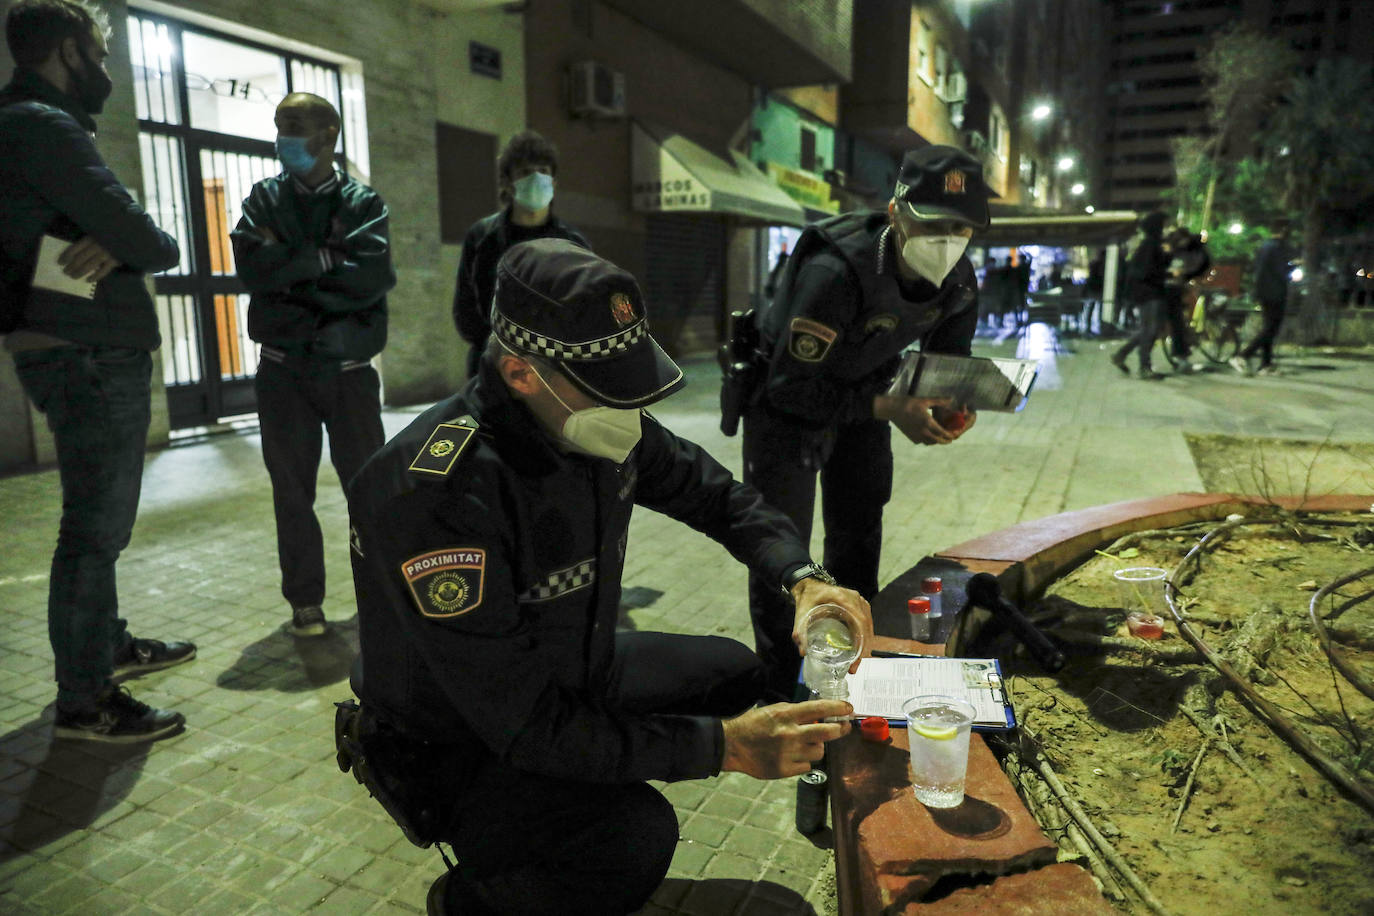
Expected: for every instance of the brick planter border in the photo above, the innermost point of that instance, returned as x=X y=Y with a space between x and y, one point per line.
x=886 y=857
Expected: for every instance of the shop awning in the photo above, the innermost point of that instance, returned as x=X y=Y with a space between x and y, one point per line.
x=671 y=174
x=1056 y=228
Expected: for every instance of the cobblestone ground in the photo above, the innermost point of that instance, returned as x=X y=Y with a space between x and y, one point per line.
x=246 y=813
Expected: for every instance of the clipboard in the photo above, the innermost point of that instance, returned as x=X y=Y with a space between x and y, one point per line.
x=884 y=682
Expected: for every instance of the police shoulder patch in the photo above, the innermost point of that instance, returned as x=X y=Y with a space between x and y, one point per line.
x=447 y=582
x=809 y=340
x=442 y=448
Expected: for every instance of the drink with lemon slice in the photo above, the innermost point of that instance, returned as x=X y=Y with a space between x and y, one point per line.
x=937 y=730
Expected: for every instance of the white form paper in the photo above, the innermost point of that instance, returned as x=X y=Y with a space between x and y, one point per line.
x=48 y=274
x=882 y=685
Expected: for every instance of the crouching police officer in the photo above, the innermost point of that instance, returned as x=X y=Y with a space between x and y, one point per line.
x=859 y=288
x=489 y=545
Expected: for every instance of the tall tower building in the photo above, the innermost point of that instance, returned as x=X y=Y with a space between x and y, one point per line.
x=1154 y=87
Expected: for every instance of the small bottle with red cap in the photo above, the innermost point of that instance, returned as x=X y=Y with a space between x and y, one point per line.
x=918 y=609
x=931 y=590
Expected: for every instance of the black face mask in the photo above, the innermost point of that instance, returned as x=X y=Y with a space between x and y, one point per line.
x=92 y=86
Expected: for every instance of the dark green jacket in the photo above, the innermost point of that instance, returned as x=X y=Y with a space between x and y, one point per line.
x=53 y=181
x=330 y=307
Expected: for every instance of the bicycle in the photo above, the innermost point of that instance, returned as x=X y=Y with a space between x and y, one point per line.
x=1213 y=323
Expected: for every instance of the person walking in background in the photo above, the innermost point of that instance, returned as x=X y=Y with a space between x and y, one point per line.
x=313 y=248
x=527 y=171
x=1188 y=261
x=83 y=356
x=1273 y=262
x=1145 y=275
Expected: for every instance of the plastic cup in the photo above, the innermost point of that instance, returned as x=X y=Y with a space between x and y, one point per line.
x=937 y=731
x=833 y=641
x=1140 y=590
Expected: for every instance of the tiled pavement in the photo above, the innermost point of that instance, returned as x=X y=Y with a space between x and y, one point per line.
x=246 y=813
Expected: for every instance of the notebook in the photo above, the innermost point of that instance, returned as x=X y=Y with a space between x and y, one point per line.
x=48 y=273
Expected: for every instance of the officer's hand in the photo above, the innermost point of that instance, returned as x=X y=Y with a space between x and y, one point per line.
x=955 y=422
x=812 y=592
x=87 y=259
x=914 y=418
x=267 y=234
x=783 y=739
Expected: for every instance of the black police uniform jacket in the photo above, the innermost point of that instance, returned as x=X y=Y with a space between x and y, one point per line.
x=300 y=305
x=835 y=331
x=487 y=565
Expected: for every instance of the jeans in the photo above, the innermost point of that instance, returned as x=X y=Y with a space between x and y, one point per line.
x=1263 y=344
x=1151 y=315
x=294 y=399
x=781 y=461
x=96 y=401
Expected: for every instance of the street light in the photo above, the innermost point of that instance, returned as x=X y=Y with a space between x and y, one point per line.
x=1090 y=209
x=1236 y=229
x=1065 y=163
x=1077 y=189
x=1041 y=112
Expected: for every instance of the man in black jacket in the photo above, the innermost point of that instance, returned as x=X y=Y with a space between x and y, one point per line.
x=527 y=172
x=491 y=538
x=83 y=356
x=1273 y=264
x=1146 y=274
x=313 y=248
x=858 y=290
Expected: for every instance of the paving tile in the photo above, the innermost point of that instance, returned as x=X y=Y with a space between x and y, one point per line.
x=702 y=828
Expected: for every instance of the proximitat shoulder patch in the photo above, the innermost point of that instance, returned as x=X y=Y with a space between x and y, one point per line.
x=442 y=449
x=447 y=582
x=810 y=340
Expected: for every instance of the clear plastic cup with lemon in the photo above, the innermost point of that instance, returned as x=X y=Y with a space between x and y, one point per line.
x=833 y=640
x=937 y=730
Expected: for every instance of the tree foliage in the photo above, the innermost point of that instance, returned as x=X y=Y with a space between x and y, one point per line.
x=1244 y=72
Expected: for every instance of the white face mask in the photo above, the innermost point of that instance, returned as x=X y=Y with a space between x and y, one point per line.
x=602 y=432
x=933 y=256
x=534 y=192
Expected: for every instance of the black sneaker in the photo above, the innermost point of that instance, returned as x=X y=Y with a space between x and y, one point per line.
x=307 y=621
x=118 y=719
x=1119 y=361
x=143 y=655
x=1148 y=374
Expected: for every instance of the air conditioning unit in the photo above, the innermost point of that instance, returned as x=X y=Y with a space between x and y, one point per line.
x=975 y=141
x=596 y=91
x=955 y=88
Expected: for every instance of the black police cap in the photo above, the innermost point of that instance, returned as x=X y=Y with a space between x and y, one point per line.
x=943 y=182
x=558 y=300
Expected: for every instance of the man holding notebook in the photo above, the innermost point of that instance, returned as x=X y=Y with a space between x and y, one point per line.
x=80 y=325
x=859 y=289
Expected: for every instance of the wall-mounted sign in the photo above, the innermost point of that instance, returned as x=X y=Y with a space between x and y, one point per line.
x=803 y=187
x=661 y=183
x=484 y=60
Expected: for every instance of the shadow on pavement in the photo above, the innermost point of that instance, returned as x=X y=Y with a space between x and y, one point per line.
x=70 y=784
x=727 y=895
x=292 y=664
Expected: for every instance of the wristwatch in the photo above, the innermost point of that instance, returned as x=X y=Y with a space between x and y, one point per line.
x=790 y=579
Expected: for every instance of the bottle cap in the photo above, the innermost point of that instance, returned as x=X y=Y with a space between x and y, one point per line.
x=931 y=584
x=874 y=728
x=918 y=605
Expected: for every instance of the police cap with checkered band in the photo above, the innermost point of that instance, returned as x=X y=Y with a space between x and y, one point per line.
x=557 y=300
x=943 y=182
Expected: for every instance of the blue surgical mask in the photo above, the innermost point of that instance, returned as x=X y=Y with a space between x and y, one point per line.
x=535 y=191
x=293 y=154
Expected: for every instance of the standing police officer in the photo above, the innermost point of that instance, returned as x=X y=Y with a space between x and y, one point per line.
x=489 y=545
x=858 y=290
